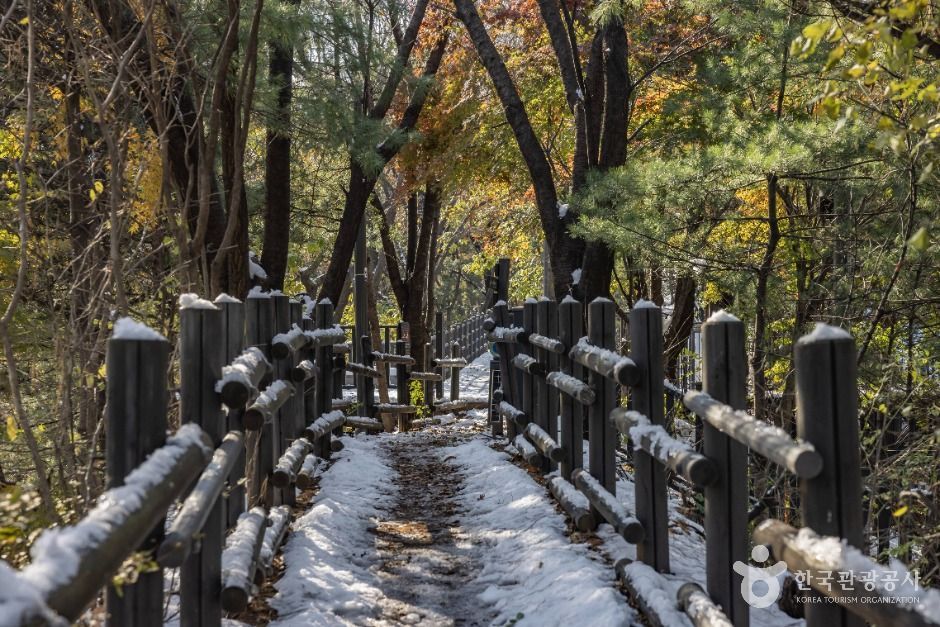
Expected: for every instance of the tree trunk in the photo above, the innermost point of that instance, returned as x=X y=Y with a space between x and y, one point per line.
x=759 y=353
x=680 y=326
x=277 y=178
x=566 y=251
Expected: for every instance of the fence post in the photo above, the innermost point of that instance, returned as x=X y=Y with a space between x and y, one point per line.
x=136 y=426
x=529 y=399
x=571 y=438
x=646 y=346
x=201 y=351
x=297 y=421
x=428 y=385
x=724 y=377
x=259 y=324
x=546 y=323
x=401 y=377
x=233 y=330
x=455 y=373
x=439 y=350
x=827 y=418
x=285 y=415
x=368 y=385
x=323 y=396
x=509 y=381
x=602 y=434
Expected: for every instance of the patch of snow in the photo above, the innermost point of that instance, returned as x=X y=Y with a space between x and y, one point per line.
x=652 y=588
x=129 y=329
x=241 y=368
x=325 y=301
x=824 y=332
x=576 y=276
x=20 y=601
x=192 y=301
x=257 y=292
x=644 y=304
x=570 y=299
x=562 y=210
x=329 y=558
x=240 y=546
x=225 y=298
x=287 y=338
x=255 y=271
x=534 y=575
x=722 y=316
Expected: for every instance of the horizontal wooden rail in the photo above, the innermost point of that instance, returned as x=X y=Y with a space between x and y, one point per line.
x=828 y=559
x=304 y=371
x=573 y=387
x=285 y=473
x=393 y=408
x=364 y=422
x=511 y=413
x=425 y=376
x=71 y=564
x=308 y=471
x=283 y=345
x=324 y=425
x=240 y=559
x=278 y=522
x=529 y=364
x=605 y=362
x=701 y=610
x=242 y=377
x=195 y=510
x=544 y=442
x=391 y=358
x=627 y=526
x=525 y=448
x=365 y=371
x=462 y=404
x=546 y=343
x=451 y=362
x=507 y=335
x=264 y=407
x=677 y=456
x=774 y=443
x=574 y=503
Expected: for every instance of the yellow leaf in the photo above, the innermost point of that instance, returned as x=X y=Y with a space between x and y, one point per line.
x=24 y=21
x=11 y=428
x=920 y=240
x=900 y=511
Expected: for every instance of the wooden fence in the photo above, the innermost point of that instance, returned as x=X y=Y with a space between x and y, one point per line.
x=557 y=376
x=260 y=400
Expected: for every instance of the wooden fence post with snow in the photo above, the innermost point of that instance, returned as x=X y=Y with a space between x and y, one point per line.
x=201 y=361
x=136 y=422
x=368 y=385
x=827 y=418
x=455 y=374
x=402 y=381
x=527 y=400
x=646 y=346
x=439 y=346
x=510 y=379
x=233 y=332
x=546 y=324
x=602 y=435
x=571 y=428
x=297 y=418
x=284 y=416
x=323 y=397
x=724 y=378
x=259 y=316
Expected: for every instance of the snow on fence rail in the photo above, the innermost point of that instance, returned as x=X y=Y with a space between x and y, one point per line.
x=587 y=371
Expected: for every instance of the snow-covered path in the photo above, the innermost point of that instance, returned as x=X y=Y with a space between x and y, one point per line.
x=440 y=527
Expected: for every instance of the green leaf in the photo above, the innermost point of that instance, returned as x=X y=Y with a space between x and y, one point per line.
x=919 y=240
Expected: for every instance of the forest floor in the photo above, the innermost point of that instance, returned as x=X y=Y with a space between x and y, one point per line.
x=444 y=526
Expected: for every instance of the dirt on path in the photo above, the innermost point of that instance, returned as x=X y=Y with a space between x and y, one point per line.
x=427 y=563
